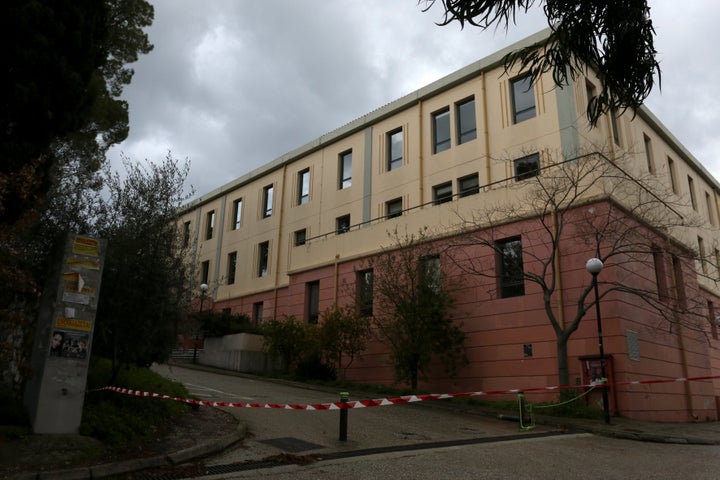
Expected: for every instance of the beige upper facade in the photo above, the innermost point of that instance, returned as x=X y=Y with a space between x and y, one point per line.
x=429 y=159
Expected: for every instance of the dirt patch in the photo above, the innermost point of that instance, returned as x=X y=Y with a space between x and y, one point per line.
x=21 y=451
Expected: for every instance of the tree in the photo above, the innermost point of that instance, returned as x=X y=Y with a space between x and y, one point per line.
x=413 y=302
x=145 y=282
x=572 y=206
x=61 y=88
x=344 y=333
x=286 y=339
x=614 y=38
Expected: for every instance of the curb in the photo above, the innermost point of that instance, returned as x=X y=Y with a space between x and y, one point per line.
x=201 y=450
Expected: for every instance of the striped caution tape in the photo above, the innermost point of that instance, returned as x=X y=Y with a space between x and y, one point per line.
x=381 y=402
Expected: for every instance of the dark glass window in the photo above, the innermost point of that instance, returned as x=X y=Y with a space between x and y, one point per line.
x=510 y=268
x=313 y=301
x=527 y=167
x=441 y=130
x=209 y=225
x=257 y=312
x=466 y=127
x=342 y=224
x=431 y=273
x=263 y=256
x=267 y=204
x=468 y=185
x=364 y=282
x=300 y=237
x=186 y=234
x=523 y=98
x=442 y=193
x=231 y=267
x=393 y=208
x=205 y=271
x=345 y=170
x=395 y=149
x=237 y=213
x=303 y=187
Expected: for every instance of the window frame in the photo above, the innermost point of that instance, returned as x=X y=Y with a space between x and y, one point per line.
x=441 y=134
x=263 y=259
x=466 y=192
x=649 y=154
x=431 y=272
x=691 y=189
x=231 y=267
x=267 y=200
x=389 y=206
x=464 y=134
x=312 y=301
x=364 y=282
x=393 y=163
x=517 y=96
x=186 y=233
x=345 y=170
x=237 y=213
x=205 y=272
x=510 y=284
x=529 y=173
x=303 y=186
x=342 y=224
x=300 y=237
x=439 y=197
x=258 y=309
x=209 y=225
x=672 y=174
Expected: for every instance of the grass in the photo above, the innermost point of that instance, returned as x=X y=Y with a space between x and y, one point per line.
x=118 y=419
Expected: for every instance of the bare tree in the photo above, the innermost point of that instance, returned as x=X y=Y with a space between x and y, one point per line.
x=588 y=203
x=413 y=302
x=344 y=333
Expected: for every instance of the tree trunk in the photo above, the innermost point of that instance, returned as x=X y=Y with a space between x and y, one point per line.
x=562 y=359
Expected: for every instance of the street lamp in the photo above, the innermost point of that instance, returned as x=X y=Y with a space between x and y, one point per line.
x=203 y=292
x=594 y=266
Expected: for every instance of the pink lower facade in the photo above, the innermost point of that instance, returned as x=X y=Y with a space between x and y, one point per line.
x=511 y=344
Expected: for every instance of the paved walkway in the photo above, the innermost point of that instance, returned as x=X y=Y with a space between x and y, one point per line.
x=701 y=433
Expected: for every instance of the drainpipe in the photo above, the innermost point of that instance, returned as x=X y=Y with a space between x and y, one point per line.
x=337 y=278
x=281 y=204
x=486 y=133
x=420 y=153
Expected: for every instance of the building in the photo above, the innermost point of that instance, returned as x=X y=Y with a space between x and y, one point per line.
x=285 y=238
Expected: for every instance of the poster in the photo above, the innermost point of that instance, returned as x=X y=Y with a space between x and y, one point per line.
x=69 y=344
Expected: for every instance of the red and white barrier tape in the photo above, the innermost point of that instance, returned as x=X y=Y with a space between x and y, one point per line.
x=381 y=402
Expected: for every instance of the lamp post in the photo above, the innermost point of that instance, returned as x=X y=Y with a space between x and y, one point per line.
x=203 y=292
x=594 y=266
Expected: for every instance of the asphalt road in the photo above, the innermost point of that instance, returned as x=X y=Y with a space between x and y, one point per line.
x=383 y=441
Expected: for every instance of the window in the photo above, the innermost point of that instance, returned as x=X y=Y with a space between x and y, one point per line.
x=523 y=99
x=468 y=185
x=614 y=126
x=267 y=201
x=441 y=130
x=442 y=193
x=691 y=189
x=671 y=173
x=303 y=187
x=345 y=170
x=263 y=254
x=313 y=301
x=660 y=274
x=527 y=167
x=701 y=254
x=204 y=271
x=679 y=282
x=510 y=268
x=364 y=283
x=713 y=320
x=431 y=273
x=710 y=209
x=237 y=214
x=649 y=154
x=342 y=224
x=393 y=208
x=394 y=149
x=209 y=225
x=590 y=91
x=716 y=254
x=300 y=237
x=231 y=265
x=186 y=234
x=466 y=126
x=257 y=312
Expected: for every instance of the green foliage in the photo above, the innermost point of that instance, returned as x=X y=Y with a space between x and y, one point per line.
x=146 y=269
x=12 y=411
x=413 y=305
x=119 y=419
x=615 y=38
x=217 y=324
x=287 y=339
x=343 y=335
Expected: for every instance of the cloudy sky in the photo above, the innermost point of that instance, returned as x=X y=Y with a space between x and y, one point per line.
x=232 y=85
